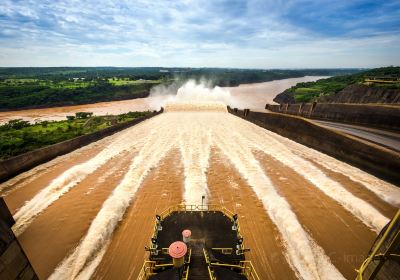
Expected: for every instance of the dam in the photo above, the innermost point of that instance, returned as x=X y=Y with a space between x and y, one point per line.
x=88 y=214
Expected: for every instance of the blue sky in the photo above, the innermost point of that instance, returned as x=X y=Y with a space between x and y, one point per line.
x=203 y=33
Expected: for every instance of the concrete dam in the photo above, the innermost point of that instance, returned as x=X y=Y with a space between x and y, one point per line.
x=88 y=214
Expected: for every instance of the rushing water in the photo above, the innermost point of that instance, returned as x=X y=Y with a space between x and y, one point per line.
x=89 y=214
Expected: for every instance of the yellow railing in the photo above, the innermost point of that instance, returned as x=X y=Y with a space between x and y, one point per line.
x=147 y=270
x=374 y=255
x=249 y=271
x=149 y=267
x=206 y=256
x=195 y=208
x=246 y=267
x=210 y=274
x=186 y=274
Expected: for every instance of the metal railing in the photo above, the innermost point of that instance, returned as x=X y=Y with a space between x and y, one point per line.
x=196 y=208
x=149 y=266
x=246 y=268
x=249 y=271
x=147 y=270
x=193 y=208
x=382 y=251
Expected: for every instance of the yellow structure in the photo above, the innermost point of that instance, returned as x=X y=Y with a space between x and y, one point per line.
x=383 y=260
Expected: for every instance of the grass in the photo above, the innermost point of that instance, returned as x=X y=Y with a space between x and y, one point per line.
x=18 y=136
x=48 y=83
x=74 y=83
x=126 y=81
x=308 y=92
x=19 y=81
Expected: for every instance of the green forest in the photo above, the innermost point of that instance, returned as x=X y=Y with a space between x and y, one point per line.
x=19 y=93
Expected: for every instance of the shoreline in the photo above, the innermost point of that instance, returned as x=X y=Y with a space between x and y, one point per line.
x=256 y=94
x=140 y=95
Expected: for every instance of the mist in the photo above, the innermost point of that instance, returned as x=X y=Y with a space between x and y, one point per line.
x=191 y=92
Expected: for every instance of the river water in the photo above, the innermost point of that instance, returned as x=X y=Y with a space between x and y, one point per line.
x=253 y=96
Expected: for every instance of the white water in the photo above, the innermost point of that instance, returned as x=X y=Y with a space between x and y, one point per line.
x=70 y=178
x=195 y=146
x=113 y=209
x=305 y=256
x=384 y=190
x=27 y=177
x=195 y=133
x=273 y=147
x=359 y=208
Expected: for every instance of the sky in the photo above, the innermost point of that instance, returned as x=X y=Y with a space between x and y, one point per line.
x=203 y=33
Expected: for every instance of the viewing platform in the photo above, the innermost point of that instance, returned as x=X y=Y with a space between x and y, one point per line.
x=212 y=246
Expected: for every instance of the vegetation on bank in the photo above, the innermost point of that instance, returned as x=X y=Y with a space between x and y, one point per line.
x=312 y=91
x=18 y=136
x=60 y=86
x=22 y=93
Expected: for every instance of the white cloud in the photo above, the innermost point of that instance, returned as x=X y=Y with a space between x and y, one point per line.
x=183 y=33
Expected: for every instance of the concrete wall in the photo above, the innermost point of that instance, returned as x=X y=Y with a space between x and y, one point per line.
x=306 y=110
x=14 y=264
x=381 y=116
x=15 y=165
x=294 y=109
x=376 y=160
x=364 y=94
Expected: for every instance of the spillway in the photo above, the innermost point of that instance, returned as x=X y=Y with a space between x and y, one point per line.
x=305 y=215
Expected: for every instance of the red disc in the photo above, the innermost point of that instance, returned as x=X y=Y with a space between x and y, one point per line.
x=177 y=249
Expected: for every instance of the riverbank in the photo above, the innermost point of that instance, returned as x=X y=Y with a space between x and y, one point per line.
x=253 y=96
x=18 y=136
x=378 y=86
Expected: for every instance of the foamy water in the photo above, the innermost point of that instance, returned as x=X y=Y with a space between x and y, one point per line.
x=195 y=131
x=303 y=253
x=95 y=242
x=359 y=208
x=71 y=178
x=195 y=147
x=384 y=190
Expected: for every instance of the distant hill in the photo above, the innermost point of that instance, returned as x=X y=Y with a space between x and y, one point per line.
x=380 y=85
x=217 y=76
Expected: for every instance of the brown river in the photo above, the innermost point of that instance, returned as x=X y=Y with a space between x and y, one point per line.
x=303 y=214
x=253 y=96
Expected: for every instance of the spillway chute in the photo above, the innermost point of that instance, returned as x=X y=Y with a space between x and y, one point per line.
x=198 y=106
